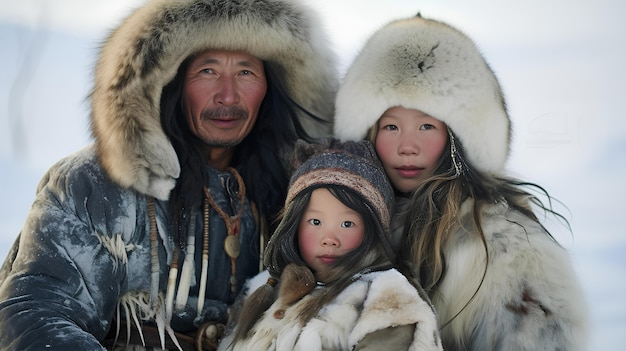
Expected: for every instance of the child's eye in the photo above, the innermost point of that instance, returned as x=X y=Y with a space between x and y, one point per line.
x=427 y=126
x=314 y=221
x=347 y=224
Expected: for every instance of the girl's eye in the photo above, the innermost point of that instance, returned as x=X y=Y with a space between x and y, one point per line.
x=390 y=127
x=314 y=221
x=347 y=224
x=426 y=126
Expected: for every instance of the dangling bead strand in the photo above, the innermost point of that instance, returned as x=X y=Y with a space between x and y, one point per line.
x=205 y=255
x=232 y=247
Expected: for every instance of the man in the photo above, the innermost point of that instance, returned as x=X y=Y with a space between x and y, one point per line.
x=151 y=231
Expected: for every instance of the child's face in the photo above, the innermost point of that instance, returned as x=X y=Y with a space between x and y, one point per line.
x=328 y=230
x=409 y=143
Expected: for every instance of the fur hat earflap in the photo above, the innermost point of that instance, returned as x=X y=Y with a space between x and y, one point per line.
x=430 y=66
x=144 y=53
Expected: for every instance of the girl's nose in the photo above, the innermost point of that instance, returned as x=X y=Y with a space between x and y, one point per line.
x=408 y=146
x=330 y=240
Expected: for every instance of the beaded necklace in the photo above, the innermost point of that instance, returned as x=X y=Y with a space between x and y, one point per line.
x=232 y=247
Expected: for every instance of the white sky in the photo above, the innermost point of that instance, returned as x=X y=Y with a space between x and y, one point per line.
x=560 y=63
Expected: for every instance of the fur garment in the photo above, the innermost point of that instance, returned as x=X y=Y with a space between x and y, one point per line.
x=144 y=53
x=374 y=302
x=427 y=65
x=529 y=298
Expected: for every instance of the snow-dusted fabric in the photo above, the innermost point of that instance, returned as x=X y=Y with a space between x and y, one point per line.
x=530 y=298
x=374 y=302
x=86 y=245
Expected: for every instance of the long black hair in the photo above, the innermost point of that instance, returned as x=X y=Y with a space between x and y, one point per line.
x=260 y=158
x=375 y=248
x=373 y=254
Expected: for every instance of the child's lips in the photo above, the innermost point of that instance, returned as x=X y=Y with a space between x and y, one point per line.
x=327 y=259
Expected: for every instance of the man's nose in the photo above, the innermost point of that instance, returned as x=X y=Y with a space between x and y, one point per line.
x=227 y=93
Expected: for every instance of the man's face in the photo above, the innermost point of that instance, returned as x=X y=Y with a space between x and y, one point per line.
x=222 y=94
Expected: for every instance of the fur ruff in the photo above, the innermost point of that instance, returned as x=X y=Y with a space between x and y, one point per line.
x=144 y=53
x=429 y=66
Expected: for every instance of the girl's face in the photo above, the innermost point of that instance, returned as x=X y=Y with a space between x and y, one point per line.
x=409 y=143
x=328 y=230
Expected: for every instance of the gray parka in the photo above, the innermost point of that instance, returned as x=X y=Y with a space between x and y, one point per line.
x=86 y=246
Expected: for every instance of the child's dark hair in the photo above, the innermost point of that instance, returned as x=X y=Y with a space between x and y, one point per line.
x=374 y=253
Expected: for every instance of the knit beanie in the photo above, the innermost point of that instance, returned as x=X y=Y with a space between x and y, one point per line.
x=353 y=165
x=427 y=65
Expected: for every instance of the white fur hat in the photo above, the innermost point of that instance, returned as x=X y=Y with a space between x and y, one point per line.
x=144 y=53
x=430 y=66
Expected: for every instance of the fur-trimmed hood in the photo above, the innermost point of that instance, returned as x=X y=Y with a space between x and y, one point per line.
x=432 y=67
x=144 y=53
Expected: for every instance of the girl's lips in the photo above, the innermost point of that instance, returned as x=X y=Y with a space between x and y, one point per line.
x=327 y=259
x=408 y=172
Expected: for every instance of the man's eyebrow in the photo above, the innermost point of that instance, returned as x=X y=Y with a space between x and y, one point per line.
x=213 y=60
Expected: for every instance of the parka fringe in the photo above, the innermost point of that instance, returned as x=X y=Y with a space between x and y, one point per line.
x=116 y=247
x=138 y=307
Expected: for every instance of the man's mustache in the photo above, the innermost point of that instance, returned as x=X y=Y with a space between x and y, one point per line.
x=233 y=112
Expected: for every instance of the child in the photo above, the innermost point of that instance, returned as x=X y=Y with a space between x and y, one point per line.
x=331 y=265
x=424 y=95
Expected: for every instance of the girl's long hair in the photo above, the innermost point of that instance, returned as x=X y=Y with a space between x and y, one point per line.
x=432 y=215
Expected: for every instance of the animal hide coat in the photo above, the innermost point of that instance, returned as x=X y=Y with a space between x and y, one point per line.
x=376 y=301
x=527 y=299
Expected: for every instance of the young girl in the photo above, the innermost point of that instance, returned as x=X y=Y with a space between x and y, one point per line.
x=330 y=283
x=467 y=232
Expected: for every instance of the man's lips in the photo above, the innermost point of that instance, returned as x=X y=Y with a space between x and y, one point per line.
x=225 y=122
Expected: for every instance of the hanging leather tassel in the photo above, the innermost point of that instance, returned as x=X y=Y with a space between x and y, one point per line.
x=171 y=286
x=188 y=270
